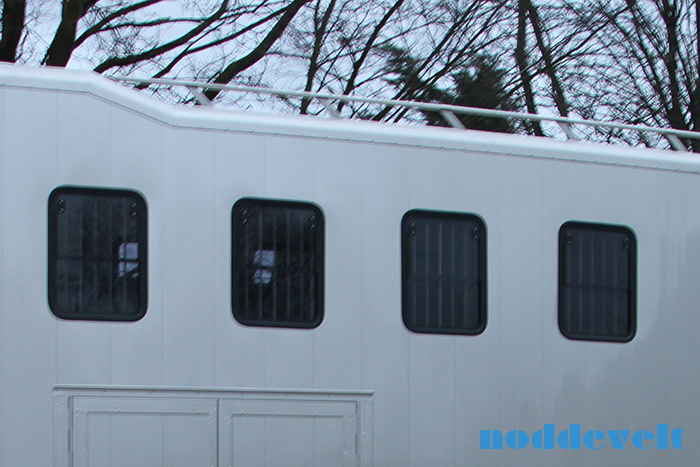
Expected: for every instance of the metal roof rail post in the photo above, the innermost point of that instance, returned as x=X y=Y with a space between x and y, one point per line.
x=566 y=128
x=676 y=142
x=199 y=96
x=329 y=108
x=452 y=119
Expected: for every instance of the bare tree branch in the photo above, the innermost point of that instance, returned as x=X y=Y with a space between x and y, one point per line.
x=97 y=27
x=256 y=54
x=156 y=51
x=192 y=50
x=350 y=85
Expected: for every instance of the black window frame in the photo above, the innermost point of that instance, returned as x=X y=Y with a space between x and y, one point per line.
x=139 y=208
x=629 y=243
x=407 y=231
x=237 y=221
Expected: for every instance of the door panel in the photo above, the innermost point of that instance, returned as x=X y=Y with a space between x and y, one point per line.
x=172 y=432
x=112 y=432
x=287 y=433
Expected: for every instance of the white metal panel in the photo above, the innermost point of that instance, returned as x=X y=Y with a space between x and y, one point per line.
x=288 y=433
x=566 y=199
x=366 y=433
x=130 y=432
x=478 y=358
x=431 y=179
x=338 y=349
x=28 y=330
x=384 y=337
x=188 y=258
x=137 y=350
x=83 y=159
x=289 y=174
x=289 y=167
x=564 y=360
x=432 y=390
x=239 y=172
x=521 y=300
x=605 y=196
x=606 y=193
x=2 y=270
x=678 y=309
x=83 y=352
x=84 y=349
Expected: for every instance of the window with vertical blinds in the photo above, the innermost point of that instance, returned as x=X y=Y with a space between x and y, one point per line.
x=97 y=254
x=597 y=282
x=277 y=263
x=444 y=272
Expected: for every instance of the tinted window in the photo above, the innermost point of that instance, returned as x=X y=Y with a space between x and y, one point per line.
x=277 y=263
x=444 y=272
x=97 y=254
x=597 y=282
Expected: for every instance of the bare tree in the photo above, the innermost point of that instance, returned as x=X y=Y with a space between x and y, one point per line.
x=647 y=65
x=472 y=28
x=521 y=59
x=122 y=35
x=61 y=47
x=160 y=49
x=245 y=62
x=634 y=61
x=320 y=23
x=12 y=25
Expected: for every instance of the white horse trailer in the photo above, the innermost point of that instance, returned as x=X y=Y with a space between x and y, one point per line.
x=201 y=287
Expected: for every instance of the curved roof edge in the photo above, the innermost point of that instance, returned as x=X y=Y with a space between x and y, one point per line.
x=61 y=80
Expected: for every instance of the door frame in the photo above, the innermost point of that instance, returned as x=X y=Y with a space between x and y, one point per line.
x=359 y=402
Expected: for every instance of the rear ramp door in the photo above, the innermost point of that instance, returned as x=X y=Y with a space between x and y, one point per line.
x=212 y=432
x=111 y=432
x=287 y=433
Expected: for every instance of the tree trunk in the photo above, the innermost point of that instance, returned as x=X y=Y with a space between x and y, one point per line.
x=63 y=43
x=12 y=26
x=320 y=32
x=521 y=59
x=550 y=70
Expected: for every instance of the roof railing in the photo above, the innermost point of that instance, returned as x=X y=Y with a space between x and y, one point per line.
x=447 y=111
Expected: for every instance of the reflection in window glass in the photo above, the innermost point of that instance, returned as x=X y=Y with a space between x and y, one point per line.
x=97 y=249
x=277 y=263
